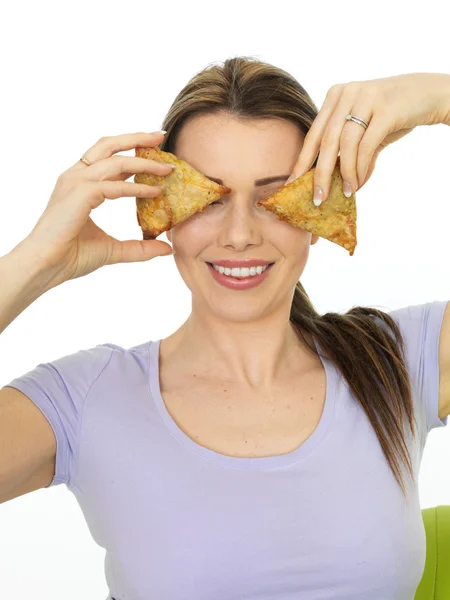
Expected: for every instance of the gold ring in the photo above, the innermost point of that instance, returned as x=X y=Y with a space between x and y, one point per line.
x=85 y=161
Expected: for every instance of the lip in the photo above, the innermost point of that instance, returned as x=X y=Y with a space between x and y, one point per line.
x=247 y=262
x=241 y=283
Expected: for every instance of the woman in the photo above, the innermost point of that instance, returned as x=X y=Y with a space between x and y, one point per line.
x=262 y=450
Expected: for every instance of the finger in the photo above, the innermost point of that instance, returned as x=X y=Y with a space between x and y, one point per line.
x=112 y=190
x=351 y=136
x=122 y=167
x=107 y=146
x=130 y=251
x=371 y=142
x=326 y=162
x=330 y=145
x=371 y=167
x=311 y=144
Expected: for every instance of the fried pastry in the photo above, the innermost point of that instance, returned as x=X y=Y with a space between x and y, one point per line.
x=186 y=191
x=334 y=219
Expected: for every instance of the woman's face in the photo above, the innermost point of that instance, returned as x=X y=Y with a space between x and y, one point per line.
x=234 y=228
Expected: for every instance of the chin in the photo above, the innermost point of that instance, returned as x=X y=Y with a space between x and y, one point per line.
x=240 y=315
x=242 y=309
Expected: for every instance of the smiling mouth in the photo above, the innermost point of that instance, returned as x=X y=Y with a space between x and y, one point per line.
x=262 y=264
x=267 y=267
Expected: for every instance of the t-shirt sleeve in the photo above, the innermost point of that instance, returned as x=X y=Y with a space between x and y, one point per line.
x=420 y=326
x=59 y=389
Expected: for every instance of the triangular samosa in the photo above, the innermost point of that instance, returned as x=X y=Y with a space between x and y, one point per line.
x=334 y=219
x=186 y=191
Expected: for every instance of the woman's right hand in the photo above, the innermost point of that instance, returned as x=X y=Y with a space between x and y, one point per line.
x=65 y=240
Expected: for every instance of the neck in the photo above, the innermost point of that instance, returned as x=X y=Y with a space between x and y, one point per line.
x=251 y=354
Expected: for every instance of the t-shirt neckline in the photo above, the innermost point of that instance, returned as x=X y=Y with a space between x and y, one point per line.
x=265 y=462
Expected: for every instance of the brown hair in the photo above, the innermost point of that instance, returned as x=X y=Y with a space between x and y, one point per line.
x=364 y=351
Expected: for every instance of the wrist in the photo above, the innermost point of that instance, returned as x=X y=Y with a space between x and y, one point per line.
x=29 y=268
x=21 y=286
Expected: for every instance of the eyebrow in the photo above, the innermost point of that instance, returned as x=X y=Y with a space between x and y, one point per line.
x=258 y=182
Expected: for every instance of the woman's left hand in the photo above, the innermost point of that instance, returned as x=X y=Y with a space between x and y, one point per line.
x=392 y=106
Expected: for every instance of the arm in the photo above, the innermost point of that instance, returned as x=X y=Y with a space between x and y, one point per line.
x=27 y=441
x=23 y=280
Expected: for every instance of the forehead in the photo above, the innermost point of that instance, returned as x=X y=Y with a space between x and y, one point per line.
x=206 y=141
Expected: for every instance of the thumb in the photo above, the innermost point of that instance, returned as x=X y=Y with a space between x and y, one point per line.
x=130 y=251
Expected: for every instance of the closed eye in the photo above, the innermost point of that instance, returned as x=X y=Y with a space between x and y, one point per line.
x=265 y=194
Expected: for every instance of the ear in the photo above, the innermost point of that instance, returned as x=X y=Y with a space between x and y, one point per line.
x=314 y=239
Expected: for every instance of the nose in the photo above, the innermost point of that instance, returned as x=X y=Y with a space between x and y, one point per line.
x=240 y=227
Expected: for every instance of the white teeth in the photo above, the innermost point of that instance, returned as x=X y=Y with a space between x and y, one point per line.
x=241 y=272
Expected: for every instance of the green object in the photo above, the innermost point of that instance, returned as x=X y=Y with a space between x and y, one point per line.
x=435 y=582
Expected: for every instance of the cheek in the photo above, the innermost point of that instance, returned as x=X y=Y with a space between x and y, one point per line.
x=191 y=236
x=293 y=237
x=296 y=244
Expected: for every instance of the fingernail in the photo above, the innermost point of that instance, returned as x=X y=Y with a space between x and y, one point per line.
x=347 y=189
x=162 y=131
x=318 y=196
x=291 y=178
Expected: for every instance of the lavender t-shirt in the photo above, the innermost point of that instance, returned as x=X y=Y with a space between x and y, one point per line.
x=181 y=522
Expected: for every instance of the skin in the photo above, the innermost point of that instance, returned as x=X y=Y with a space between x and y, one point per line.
x=226 y=326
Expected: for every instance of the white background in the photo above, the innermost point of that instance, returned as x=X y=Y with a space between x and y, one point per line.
x=73 y=72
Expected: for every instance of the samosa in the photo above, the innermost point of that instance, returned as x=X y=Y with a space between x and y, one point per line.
x=334 y=219
x=186 y=191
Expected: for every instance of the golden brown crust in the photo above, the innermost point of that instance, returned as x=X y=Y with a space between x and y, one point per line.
x=334 y=219
x=186 y=191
